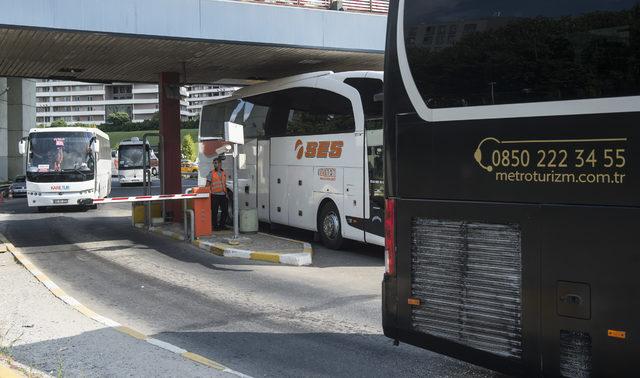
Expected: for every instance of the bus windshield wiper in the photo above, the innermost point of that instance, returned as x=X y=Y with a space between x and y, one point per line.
x=76 y=170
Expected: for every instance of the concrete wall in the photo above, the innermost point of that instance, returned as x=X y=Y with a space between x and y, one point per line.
x=19 y=117
x=230 y=21
x=3 y=130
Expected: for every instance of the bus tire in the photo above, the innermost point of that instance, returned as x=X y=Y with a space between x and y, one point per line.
x=154 y=171
x=330 y=226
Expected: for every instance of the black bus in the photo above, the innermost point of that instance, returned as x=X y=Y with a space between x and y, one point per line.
x=513 y=194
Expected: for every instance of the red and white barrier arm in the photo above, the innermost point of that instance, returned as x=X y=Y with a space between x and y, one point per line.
x=161 y=197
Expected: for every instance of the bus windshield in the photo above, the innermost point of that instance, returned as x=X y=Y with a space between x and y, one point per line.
x=60 y=152
x=130 y=157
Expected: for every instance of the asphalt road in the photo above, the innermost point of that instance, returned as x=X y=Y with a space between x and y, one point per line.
x=257 y=318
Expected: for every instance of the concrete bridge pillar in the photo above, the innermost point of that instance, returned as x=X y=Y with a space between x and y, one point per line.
x=21 y=116
x=170 y=131
x=4 y=173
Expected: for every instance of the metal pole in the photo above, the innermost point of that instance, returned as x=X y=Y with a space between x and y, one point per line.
x=147 y=205
x=146 y=175
x=236 y=215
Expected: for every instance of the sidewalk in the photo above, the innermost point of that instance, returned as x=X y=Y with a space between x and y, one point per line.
x=42 y=332
x=261 y=247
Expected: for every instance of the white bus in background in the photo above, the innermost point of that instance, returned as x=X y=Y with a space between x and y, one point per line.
x=312 y=156
x=114 y=163
x=66 y=166
x=131 y=159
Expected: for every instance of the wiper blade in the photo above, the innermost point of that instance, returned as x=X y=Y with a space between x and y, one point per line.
x=76 y=170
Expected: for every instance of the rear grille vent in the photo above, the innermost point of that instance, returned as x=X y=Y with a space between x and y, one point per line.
x=575 y=354
x=468 y=279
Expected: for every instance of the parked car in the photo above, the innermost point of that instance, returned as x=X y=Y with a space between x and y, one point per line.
x=19 y=187
x=188 y=168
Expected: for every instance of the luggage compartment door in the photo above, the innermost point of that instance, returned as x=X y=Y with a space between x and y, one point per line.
x=278 y=198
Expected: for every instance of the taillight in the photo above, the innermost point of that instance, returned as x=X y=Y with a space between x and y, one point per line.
x=390 y=237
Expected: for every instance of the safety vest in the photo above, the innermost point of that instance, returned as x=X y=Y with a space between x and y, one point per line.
x=218 y=182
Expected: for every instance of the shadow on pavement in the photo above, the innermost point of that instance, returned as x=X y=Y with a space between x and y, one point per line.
x=104 y=353
x=55 y=232
x=320 y=355
x=353 y=254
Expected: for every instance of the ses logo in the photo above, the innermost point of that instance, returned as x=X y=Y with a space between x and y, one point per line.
x=321 y=150
x=59 y=187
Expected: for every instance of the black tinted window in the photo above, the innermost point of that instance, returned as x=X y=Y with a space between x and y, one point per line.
x=244 y=112
x=468 y=53
x=368 y=89
x=305 y=111
x=320 y=112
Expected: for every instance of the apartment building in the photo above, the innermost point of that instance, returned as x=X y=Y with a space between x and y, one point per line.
x=78 y=102
x=199 y=94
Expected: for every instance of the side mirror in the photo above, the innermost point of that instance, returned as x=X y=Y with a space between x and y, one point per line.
x=95 y=146
x=22 y=147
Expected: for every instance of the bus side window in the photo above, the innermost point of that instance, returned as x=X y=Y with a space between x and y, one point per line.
x=368 y=89
x=276 y=124
x=313 y=111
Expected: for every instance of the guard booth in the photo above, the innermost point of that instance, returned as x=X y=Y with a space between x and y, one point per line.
x=150 y=210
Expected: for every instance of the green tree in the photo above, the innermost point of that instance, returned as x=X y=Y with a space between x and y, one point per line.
x=118 y=119
x=87 y=125
x=188 y=147
x=59 y=123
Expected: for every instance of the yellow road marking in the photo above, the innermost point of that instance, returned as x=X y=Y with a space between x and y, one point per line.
x=6 y=372
x=132 y=332
x=271 y=257
x=203 y=360
x=58 y=292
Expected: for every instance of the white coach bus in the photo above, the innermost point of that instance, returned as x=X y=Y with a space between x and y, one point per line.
x=66 y=166
x=131 y=159
x=312 y=156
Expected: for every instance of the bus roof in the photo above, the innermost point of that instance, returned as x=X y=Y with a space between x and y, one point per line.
x=70 y=130
x=274 y=85
x=131 y=142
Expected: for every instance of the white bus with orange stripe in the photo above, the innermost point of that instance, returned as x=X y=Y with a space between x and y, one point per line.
x=312 y=156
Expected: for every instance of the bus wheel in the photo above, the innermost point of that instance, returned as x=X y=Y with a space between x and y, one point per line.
x=329 y=226
x=154 y=171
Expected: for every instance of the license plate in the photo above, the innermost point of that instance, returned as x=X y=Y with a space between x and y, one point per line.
x=58 y=201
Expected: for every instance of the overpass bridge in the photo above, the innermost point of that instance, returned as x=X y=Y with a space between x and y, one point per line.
x=174 y=42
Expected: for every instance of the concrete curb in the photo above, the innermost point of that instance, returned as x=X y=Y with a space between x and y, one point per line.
x=58 y=292
x=297 y=259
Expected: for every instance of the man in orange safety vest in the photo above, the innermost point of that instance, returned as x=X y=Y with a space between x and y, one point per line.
x=217 y=184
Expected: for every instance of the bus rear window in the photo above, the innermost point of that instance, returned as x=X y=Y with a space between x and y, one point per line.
x=470 y=53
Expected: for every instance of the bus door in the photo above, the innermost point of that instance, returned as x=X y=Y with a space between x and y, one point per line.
x=372 y=183
x=338 y=94
x=263 y=163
